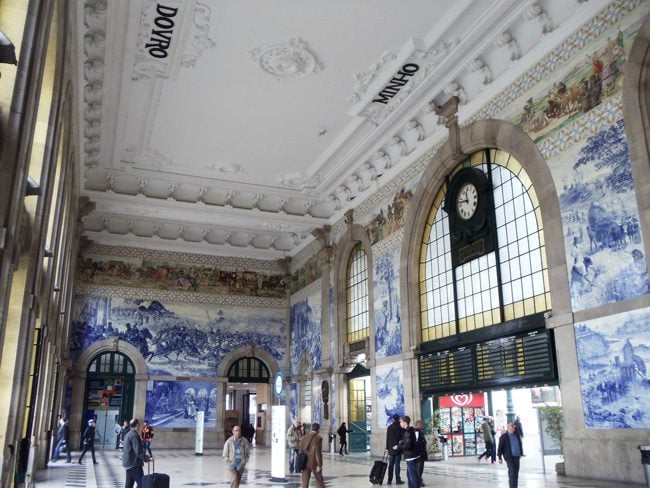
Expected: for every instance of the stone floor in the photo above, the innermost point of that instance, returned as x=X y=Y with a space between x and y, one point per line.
x=187 y=469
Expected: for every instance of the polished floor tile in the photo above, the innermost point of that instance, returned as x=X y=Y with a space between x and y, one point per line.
x=187 y=469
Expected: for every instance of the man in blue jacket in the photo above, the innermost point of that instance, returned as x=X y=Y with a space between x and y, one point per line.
x=510 y=449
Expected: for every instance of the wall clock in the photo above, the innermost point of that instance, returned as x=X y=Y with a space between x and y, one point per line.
x=470 y=207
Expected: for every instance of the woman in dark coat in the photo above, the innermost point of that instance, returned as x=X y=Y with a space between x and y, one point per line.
x=343 y=438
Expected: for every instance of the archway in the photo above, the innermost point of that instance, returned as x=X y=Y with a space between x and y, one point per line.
x=246 y=397
x=108 y=396
x=83 y=375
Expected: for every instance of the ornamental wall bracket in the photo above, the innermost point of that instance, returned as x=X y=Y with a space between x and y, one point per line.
x=450 y=112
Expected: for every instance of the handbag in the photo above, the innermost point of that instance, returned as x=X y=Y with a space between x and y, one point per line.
x=301 y=457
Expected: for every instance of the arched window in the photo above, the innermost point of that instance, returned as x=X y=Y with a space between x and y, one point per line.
x=505 y=284
x=111 y=363
x=249 y=370
x=357 y=295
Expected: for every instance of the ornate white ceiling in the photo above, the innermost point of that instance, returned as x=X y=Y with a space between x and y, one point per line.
x=238 y=127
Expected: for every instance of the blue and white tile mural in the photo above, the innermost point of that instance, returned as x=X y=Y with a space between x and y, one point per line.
x=306 y=333
x=613 y=358
x=389 y=380
x=177 y=339
x=600 y=221
x=176 y=403
x=388 y=326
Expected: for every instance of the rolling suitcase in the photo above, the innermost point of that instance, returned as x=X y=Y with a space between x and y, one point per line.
x=379 y=470
x=154 y=480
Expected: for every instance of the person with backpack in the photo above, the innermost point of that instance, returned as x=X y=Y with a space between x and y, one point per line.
x=147 y=437
x=343 y=438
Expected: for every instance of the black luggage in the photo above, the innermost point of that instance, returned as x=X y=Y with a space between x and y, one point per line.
x=155 y=480
x=379 y=470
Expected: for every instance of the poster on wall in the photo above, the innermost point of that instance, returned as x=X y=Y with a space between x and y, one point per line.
x=178 y=403
x=390 y=392
x=613 y=360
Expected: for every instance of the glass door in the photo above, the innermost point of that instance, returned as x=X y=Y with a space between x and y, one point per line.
x=357 y=415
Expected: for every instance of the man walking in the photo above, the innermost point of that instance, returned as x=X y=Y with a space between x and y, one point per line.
x=488 y=438
x=62 y=440
x=510 y=449
x=133 y=455
x=394 y=435
x=89 y=441
x=236 y=452
x=312 y=445
x=294 y=434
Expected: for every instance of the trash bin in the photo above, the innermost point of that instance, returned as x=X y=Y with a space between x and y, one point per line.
x=443 y=442
x=645 y=460
x=332 y=438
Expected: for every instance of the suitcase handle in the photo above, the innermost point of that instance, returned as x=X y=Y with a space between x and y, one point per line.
x=149 y=463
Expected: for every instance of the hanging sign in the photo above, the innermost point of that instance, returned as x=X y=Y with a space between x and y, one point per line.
x=462 y=400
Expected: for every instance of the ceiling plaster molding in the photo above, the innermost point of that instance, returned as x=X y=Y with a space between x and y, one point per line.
x=180 y=246
x=421 y=120
x=205 y=260
x=169 y=296
x=287 y=60
x=296 y=181
x=192 y=213
x=188 y=39
x=94 y=51
x=497 y=100
x=138 y=187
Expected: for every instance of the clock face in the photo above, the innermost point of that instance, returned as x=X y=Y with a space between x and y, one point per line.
x=467 y=201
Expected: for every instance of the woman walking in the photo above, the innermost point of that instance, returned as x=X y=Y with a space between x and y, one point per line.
x=343 y=438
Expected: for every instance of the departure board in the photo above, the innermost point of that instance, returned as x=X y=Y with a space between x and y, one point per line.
x=521 y=357
x=444 y=369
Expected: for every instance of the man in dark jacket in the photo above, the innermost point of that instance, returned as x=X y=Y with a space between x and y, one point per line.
x=133 y=456
x=420 y=448
x=394 y=435
x=407 y=446
x=510 y=449
x=89 y=441
x=62 y=440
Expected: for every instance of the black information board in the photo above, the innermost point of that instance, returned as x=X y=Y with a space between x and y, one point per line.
x=521 y=359
x=440 y=370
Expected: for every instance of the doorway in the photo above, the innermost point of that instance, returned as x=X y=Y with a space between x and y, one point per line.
x=359 y=408
x=108 y=396
x=246 y=394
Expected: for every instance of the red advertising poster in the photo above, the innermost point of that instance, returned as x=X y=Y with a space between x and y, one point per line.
x=462 y=400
